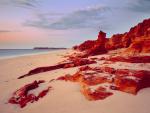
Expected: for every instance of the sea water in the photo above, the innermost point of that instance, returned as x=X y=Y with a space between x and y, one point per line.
x=6 y=53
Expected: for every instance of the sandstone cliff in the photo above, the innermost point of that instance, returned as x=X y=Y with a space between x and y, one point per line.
x=137 y=40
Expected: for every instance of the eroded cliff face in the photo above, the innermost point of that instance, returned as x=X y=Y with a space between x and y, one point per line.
x=99 y=45
x=137 y=40
x=141 y=45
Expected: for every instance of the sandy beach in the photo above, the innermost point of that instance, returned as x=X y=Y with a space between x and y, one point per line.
x=74 y=56
x=65 y=97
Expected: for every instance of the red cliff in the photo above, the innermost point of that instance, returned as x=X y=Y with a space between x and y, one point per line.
x=99 y=45
x=137 y=40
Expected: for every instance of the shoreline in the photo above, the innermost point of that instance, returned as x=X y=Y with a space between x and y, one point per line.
x=29 y=54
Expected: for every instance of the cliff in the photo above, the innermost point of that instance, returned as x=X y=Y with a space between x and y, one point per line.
x=137 y=40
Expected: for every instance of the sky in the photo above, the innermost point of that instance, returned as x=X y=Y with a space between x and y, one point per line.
x=65 y=23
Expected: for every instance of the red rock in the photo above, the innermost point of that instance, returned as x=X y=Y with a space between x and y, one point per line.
x=84 y=68
x=142 y=80
x=101 y=37
x=85 y=46
x=93 y=80
x=126 y=85
x=94 y=58
x=22 y=96
x=118 y=59
x=75 y=47
x=122 y=72
x=41 y=81
x=74 y=78
x=130 y=59
x=140 y=73
x=139 y=46
x=44 y=92
x=81 y=61
x=99 y=94
x=108 y=70
x=99 y=46
x=123 y=83
x=112 y=87
x=140 y=29
x=43 y=69
x=115 y=42
x=137 y=33
x=137 y=40
x=66 y=78
x=126 y=80
x=102 y=58
x=96 y=49
x=73 y=63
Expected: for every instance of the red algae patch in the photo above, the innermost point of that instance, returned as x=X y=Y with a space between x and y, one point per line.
x=22 y=95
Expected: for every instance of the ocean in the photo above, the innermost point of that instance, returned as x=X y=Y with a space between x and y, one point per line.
x=8 y=53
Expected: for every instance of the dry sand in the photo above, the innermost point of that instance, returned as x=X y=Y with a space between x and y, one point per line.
x=65 y=97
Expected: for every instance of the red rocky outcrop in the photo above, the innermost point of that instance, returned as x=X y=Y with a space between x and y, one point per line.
x=139 y=46
x=126 y=80
x=86 y=45
x=86 y=80
x=99 y=46
x=98 y=94
x=22 y=95
x=115 y=42
x=74 y=62
x=94 y=47
x=137 y=40
x=130 y=59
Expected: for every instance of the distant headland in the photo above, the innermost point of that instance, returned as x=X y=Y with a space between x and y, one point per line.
x=49 y=48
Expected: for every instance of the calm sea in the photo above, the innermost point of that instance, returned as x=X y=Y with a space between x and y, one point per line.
x=6 y=53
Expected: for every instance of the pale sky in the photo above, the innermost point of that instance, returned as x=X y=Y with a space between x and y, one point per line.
x=65 y=23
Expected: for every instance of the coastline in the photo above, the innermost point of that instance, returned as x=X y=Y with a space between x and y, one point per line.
x=19 y=65
x=27 y=54
x=65 y=97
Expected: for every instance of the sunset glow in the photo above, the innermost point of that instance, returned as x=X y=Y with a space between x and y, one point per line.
x=55 y=23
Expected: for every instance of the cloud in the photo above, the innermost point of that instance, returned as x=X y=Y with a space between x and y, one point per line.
x=8 y=31
x=21 y=3
x=5 y=31
x=26 y=3
x=139 y=6
x=90 y=17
